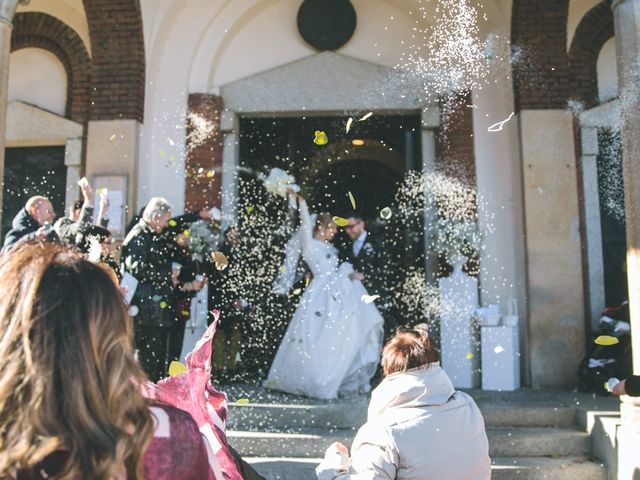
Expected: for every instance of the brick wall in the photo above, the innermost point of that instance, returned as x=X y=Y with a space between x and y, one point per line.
x=39 y=30
x=454 y=142
x=541 y=74
x=117 y=44
x=204 y=153
x=595 y=28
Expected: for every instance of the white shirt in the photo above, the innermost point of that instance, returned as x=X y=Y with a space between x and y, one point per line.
x=359 y=242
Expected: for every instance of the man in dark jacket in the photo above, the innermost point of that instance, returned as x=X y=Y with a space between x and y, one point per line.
x=367 y=257
x=225 y=295
x=362 y=253
x=145 y=257
x=33 y=222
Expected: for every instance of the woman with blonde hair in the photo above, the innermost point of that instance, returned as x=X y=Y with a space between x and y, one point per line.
x=71 y=405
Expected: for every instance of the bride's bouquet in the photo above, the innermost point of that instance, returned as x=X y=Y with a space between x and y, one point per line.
x=202 y=240
x=278 y=182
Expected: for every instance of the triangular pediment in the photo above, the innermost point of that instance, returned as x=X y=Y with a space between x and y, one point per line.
x=325 y=81
x=28 y=124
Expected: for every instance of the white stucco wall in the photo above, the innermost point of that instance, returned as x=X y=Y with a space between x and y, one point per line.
x=608 y=72
x=194 y=47
x=37 y=77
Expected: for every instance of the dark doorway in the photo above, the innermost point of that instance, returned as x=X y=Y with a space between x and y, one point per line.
x=369 y=161
x=32 y=171
x=612 y=216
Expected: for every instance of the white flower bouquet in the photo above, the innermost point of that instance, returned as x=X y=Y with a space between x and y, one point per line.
x=202 y=240
x=278 y=182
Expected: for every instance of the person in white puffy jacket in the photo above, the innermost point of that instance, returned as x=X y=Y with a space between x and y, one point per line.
x=418 y=427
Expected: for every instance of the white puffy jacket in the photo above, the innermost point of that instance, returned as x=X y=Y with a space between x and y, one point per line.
x=418 y=428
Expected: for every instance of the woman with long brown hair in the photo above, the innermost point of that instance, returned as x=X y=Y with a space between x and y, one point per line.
x=71 y=405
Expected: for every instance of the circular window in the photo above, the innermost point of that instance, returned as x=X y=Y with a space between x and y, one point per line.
x=326 y=24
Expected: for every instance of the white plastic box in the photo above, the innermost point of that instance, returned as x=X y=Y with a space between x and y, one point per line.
x=500 y=358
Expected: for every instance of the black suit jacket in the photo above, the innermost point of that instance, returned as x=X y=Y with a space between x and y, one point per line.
x=23 y=229
x=368 y=262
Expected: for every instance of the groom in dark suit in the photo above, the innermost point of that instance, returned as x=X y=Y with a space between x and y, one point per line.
x=364 y=254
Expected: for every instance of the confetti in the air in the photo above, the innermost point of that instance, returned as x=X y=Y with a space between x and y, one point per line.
x=340 y=221
x=499 y=349
x=369 y=298
x=349 y=123
x=320 y=138
x=496 y=127
x=220 y=260
x=386 y=213
x=469 y=356
x=176 y=368
x=162 y=153
x=163 y=304
x=210 y=174
x=173 y=223
x=242 y=401
x=352 y=200
x=606 y=340
x=249 y=209
x=186 y=233
x=365 y=117
x=112 y=137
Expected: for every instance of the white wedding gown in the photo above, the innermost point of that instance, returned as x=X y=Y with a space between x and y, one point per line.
x=332 y=345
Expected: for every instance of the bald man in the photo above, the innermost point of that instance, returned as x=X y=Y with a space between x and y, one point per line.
x=33 y=222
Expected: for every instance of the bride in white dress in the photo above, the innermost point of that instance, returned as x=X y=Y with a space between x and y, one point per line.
x=332 y=345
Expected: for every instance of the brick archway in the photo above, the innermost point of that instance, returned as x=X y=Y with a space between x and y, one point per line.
x=118 y=75
x=39 y=30
x=594 y=30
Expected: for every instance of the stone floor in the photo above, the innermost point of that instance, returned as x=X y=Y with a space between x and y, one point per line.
x=533 y=434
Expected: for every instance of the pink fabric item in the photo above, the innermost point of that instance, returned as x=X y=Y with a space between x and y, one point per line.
x=177 y=449
x=194 y=393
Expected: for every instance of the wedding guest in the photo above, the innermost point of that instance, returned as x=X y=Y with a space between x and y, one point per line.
x=224 y=296
x=145 y=256
x=33 y=222
x=72 y=406
x=97 y=243
x=186 y=280
x=418 y=426
x=80 y=218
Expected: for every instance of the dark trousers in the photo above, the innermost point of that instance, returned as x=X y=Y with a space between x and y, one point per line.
x=246 y=470
x=152 y=344
x=176 y=339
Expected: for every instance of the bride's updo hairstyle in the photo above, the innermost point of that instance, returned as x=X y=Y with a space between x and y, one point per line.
x=322 y=222
x=409 y=348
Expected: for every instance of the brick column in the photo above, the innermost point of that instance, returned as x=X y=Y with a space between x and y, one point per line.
x=203 y=169
x=626 y=14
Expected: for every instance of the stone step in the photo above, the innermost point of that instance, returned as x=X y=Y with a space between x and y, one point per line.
x=546 y=468
x=531 y=468
x=503 y=442
x=265 y=416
